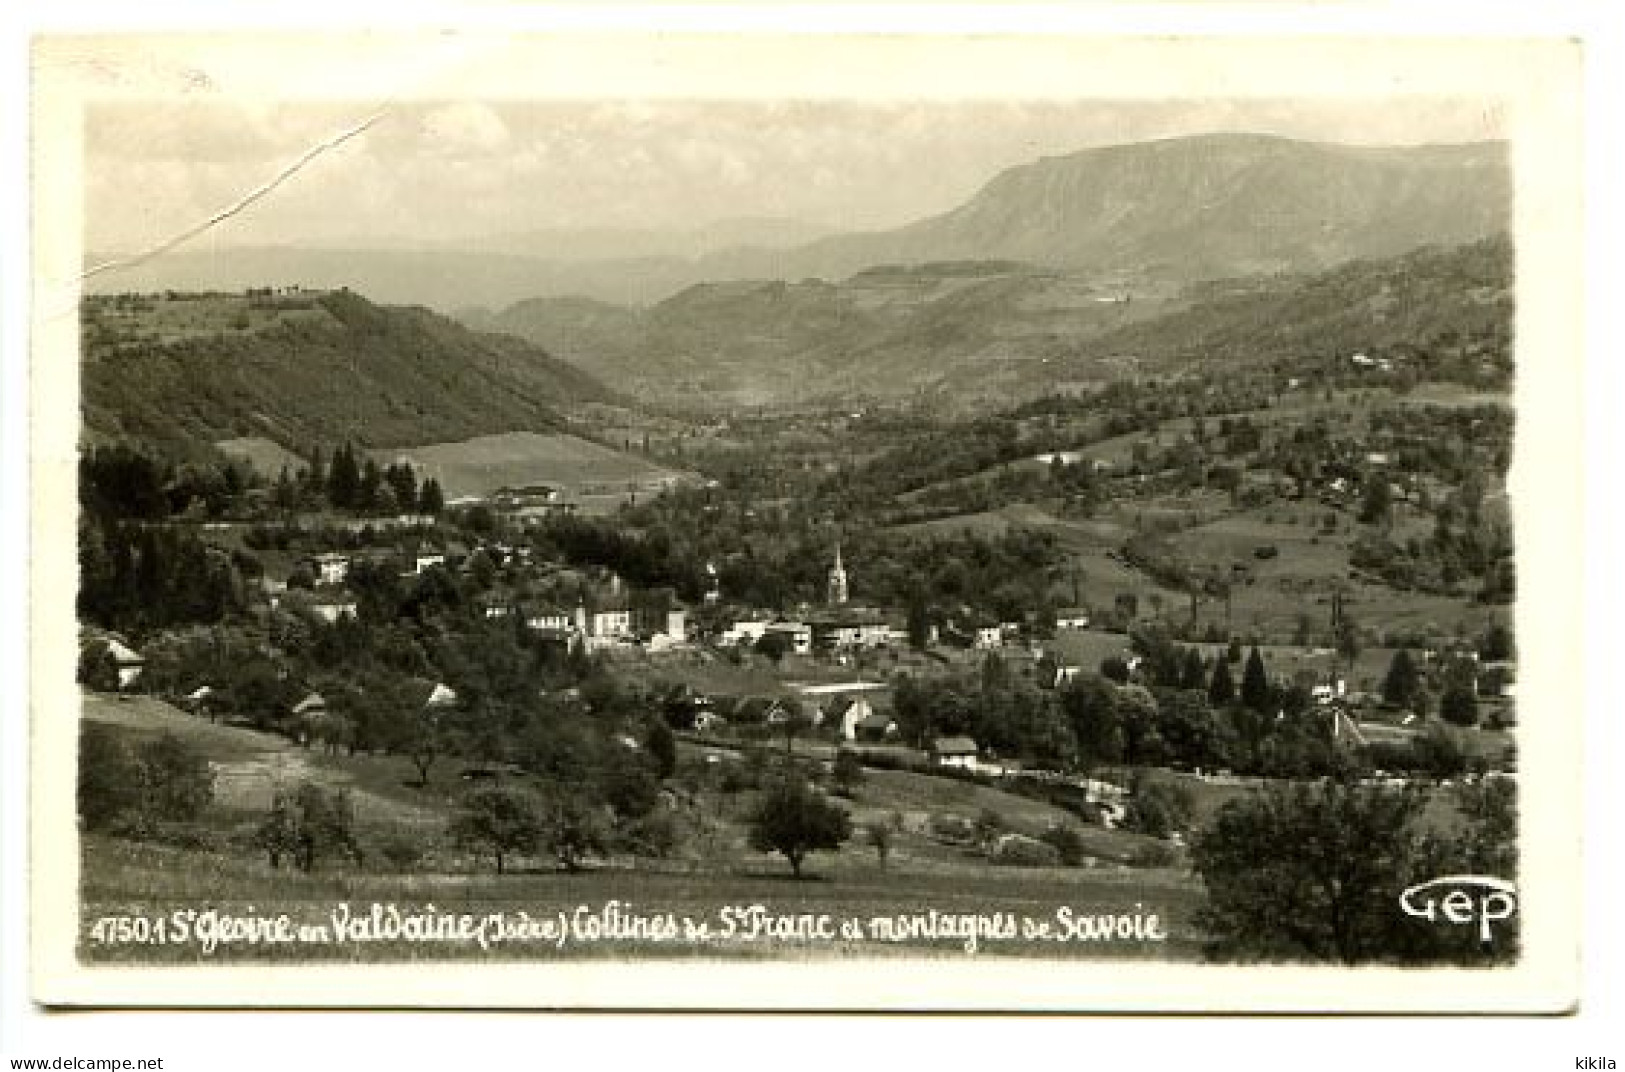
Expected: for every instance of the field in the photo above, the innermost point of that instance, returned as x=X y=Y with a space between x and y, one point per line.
x=483 y=464
x=170 y=881
x=920 y=874
x=264 y=456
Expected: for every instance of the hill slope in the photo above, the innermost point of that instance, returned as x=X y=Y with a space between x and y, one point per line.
x=887 y=330
x=179 y=371
x=1466 y=291
x=995 y=328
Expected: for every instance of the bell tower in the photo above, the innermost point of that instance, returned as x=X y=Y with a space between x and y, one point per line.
x=837 y=579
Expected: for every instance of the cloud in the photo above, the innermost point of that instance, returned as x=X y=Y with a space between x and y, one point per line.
x=442 y=169
x=464 y=128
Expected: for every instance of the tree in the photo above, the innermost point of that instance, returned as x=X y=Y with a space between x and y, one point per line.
x=1313 y=872
x=574 y=825
x=848 y=772
x=1221 y=688
x=1090 y=704
x=1255 y=682
x=1158 y=808
x=176 y=781
x=794 y=819
x=423 y=741
x=344 y=479
x=107 y=785
x=1400 y=684
x=880 y=836
x=1348 y=640
x=307 y=824
x=1376 y=507
x=661 y=745
x=403 y=481
x=1496 y=644
x=774 y=645
x=1458 y=705
x=501 y=820
x=98 y=668
x=431 y=500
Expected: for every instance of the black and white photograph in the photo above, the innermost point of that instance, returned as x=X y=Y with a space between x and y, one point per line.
x=1080 y=523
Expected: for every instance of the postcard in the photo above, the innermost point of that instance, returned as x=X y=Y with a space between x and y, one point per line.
x=818 y=521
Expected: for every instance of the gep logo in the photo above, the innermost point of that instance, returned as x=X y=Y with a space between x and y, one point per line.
x=1463 y=899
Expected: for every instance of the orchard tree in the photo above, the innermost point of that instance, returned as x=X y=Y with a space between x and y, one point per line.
x=500 y=820
x=879 y=834
x=574 y=824
x=794 y=819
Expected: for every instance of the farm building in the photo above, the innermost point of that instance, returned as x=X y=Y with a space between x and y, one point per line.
x=953 y=752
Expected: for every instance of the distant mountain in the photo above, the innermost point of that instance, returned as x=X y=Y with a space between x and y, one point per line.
x=1211 y=206
x=988 y=329
x=179 y=372
x=885 y=330
x=1205 y=207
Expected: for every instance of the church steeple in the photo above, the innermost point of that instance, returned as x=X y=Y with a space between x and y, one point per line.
x=837 y=579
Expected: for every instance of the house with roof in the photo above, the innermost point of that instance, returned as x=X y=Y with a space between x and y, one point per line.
x=798 y=636
x=330 y=608
x=987 y=637
x=768 y=710
x=329 y=567
x=1059 y=674
x=314 y=703
x=960 y=752
x=130 y=662
x=544 y=618
x=849 y=630
x=858 y=720
x=1072 y=618
x=440 y=697
x=496 y=605
x=743 y=632
x=848 y=712
x=611 y=622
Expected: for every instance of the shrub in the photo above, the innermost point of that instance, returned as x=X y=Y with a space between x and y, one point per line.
x=1159 y=808
x=1019 y=850
x=951 y=829
x=1066 y=842
x=657 y=834
x=402 y=850
x=1153 y=854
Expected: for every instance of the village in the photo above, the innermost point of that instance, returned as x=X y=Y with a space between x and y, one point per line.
x=823 y=678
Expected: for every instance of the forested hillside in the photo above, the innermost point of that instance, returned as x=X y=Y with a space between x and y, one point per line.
x=181 y=370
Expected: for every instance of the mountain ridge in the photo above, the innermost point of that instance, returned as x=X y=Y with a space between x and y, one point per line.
x=1200 y=206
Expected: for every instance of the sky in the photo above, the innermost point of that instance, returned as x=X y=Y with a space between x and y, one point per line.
x=459 y=171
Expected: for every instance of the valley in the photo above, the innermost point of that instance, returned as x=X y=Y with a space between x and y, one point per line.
x=1017 y=556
